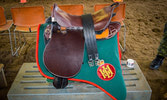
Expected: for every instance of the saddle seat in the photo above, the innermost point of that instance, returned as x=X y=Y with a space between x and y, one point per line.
x=101 y=18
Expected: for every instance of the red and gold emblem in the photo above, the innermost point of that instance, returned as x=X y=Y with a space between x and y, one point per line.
x=106 y=72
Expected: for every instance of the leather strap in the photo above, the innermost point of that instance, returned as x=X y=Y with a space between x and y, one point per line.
x=90 y=38
x=116 y=4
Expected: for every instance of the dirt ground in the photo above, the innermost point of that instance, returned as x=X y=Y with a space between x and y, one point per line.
x=145 y=20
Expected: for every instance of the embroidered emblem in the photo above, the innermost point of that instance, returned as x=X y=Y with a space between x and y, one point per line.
x=106 y=72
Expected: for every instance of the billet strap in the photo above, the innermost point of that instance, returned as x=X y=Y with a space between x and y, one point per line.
x=90 y=39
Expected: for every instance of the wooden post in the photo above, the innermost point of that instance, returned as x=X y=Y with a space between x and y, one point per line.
x=3 y=82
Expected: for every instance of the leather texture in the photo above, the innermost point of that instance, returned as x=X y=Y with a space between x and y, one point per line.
x=60 y=83
x=90 y=38
x=113 y=27
x=120 y=11
x=77 y=11
x=2 y=16
x=100 y=18
x=28 y=16
x=63 y=54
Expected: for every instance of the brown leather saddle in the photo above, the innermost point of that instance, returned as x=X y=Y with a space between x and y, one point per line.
x=63 y=55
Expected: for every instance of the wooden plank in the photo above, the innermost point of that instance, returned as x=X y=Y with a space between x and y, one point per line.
x=29 y=84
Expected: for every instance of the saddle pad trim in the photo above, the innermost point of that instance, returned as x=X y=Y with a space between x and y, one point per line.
x=37 y=45
x=72 y=79
x=79 y=80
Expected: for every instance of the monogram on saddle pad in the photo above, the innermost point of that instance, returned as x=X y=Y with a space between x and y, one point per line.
x=68 y=49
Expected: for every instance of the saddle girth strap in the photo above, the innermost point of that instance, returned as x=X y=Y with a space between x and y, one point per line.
x=90 y=39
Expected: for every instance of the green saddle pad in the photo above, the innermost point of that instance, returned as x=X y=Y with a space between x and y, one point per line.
x=108 y=51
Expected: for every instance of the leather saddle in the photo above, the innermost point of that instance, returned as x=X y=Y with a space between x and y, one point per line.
x=70 y=34
x=101 y=18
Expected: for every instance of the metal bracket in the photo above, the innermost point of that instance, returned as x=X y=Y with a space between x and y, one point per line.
x=53 y=19
x=97 y=62
x=91 y=63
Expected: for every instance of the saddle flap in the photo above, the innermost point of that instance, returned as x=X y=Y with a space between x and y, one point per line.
x=63 y=54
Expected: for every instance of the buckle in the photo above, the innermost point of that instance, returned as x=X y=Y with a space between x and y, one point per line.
x=53 y=19
x=97 y=62
x=91 y=63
